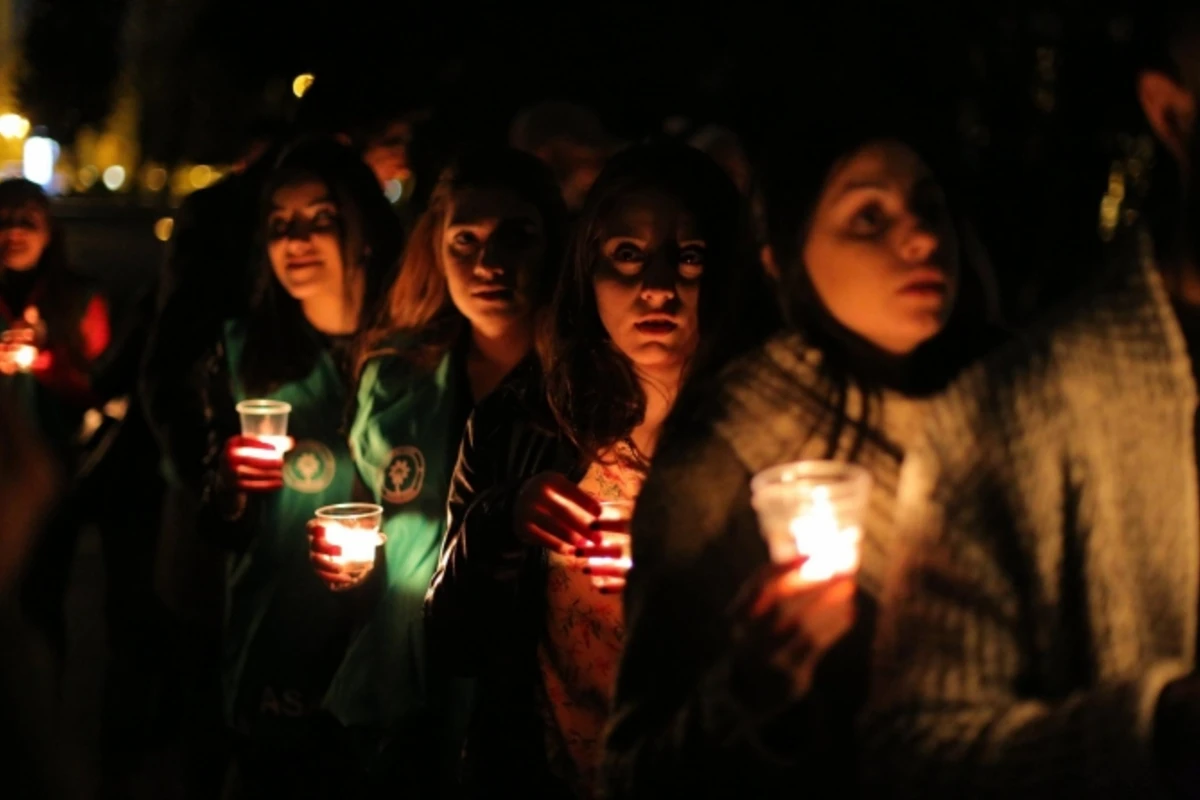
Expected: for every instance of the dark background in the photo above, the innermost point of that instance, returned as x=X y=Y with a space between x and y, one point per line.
x=1033 y=100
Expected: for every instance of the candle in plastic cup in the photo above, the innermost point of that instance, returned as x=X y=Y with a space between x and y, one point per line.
x=354 y=527
x=266 y=420
x=19 y=347
x=616 y=510
x=814 y=510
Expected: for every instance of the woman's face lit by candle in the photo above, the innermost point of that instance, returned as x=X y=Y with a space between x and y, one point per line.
x=24 y=235
x=881 y=249
x=647 y=281
x=304 y=242
x=492 y=245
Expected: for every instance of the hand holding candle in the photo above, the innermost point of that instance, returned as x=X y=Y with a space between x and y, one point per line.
x=783 y=625
x=18 y=351
x=266 y=421
x=253 y=465
x=554 y=513
x=813 y=510
x=343 y=540
x=609 y=561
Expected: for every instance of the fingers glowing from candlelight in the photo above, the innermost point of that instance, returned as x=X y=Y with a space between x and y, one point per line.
x=600 y=551
x=610 y=526
x=606 y=570
x=318 y=543
x=257 y=466
x=614 y=585
x=549 y=533
x=330 y=572
x=571 y=496
x=321 y=555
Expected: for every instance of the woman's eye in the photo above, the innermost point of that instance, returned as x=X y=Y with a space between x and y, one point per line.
x=627 y=254
x=869 y=220
x=691 y=262
x=324 y=220
x=277 y=229
x=464 y=241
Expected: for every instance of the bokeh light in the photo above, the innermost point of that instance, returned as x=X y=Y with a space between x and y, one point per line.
x=302 y=84
x=114 y=177
x=164 y=228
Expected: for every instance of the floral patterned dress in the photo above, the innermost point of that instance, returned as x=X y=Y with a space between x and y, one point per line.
x=583 y=638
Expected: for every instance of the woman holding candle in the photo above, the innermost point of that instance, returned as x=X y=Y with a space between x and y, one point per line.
x=326 y=679
x=53 y=327
x=331 y=244
x=654 y=282
x=730 y=680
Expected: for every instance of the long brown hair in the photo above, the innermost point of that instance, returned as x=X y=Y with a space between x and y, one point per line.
x=280 y=344
x=592 y=390
x=419 y=301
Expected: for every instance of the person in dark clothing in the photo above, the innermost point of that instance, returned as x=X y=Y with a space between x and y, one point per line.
x=1040 y=636
x=204 y=281
x=38 y=762
x=729 y=682
x=56 y=320
x=659 y=283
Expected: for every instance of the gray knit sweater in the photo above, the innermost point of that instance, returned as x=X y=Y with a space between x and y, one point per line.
x=683 y=725
x=1049 y=588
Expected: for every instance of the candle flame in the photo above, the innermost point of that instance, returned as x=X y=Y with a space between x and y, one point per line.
x=828 y=548
x=24 y=357
x=358 y=544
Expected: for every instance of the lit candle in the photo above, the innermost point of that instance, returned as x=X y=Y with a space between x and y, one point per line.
x=266 y=421
x=829 y=548
x=813 y=510
x=357 y=545
x=354 y=528
x=23 y=356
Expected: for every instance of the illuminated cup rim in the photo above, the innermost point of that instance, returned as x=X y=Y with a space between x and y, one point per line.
x=844 y=482
x=348 y=512
x=625 y=506
x=260 y=407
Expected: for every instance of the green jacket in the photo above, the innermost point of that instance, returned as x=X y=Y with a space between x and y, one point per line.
x=293 y=647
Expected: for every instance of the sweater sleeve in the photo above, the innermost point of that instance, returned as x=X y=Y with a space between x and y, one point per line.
x=685 y=720
x=975 y=694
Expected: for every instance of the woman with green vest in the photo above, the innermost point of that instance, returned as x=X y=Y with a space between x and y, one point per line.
x=325 y=679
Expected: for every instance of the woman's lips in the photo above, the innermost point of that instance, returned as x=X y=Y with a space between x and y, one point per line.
x=494 y=295
x=656 y=327
x=295 y=266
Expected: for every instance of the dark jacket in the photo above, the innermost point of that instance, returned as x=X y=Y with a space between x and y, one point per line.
x=205 y=281
x=486 y=603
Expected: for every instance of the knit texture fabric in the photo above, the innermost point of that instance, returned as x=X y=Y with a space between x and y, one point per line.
x=1047 y=590
x=683 y=723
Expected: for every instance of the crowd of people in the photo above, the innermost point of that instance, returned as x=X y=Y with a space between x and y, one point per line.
x=567 y=342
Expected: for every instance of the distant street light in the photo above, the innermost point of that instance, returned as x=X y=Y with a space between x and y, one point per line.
x=13 y=126
x=40 y=155
x=114 y=177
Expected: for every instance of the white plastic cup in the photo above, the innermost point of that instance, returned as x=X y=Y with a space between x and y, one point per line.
x=354 y=527
x=266 y=420
x=814 y=510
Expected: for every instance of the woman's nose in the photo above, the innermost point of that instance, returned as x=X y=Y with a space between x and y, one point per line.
x=919 y=245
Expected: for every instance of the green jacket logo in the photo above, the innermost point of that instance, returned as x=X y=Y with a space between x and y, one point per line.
x=309 y=467
x=405 y=475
